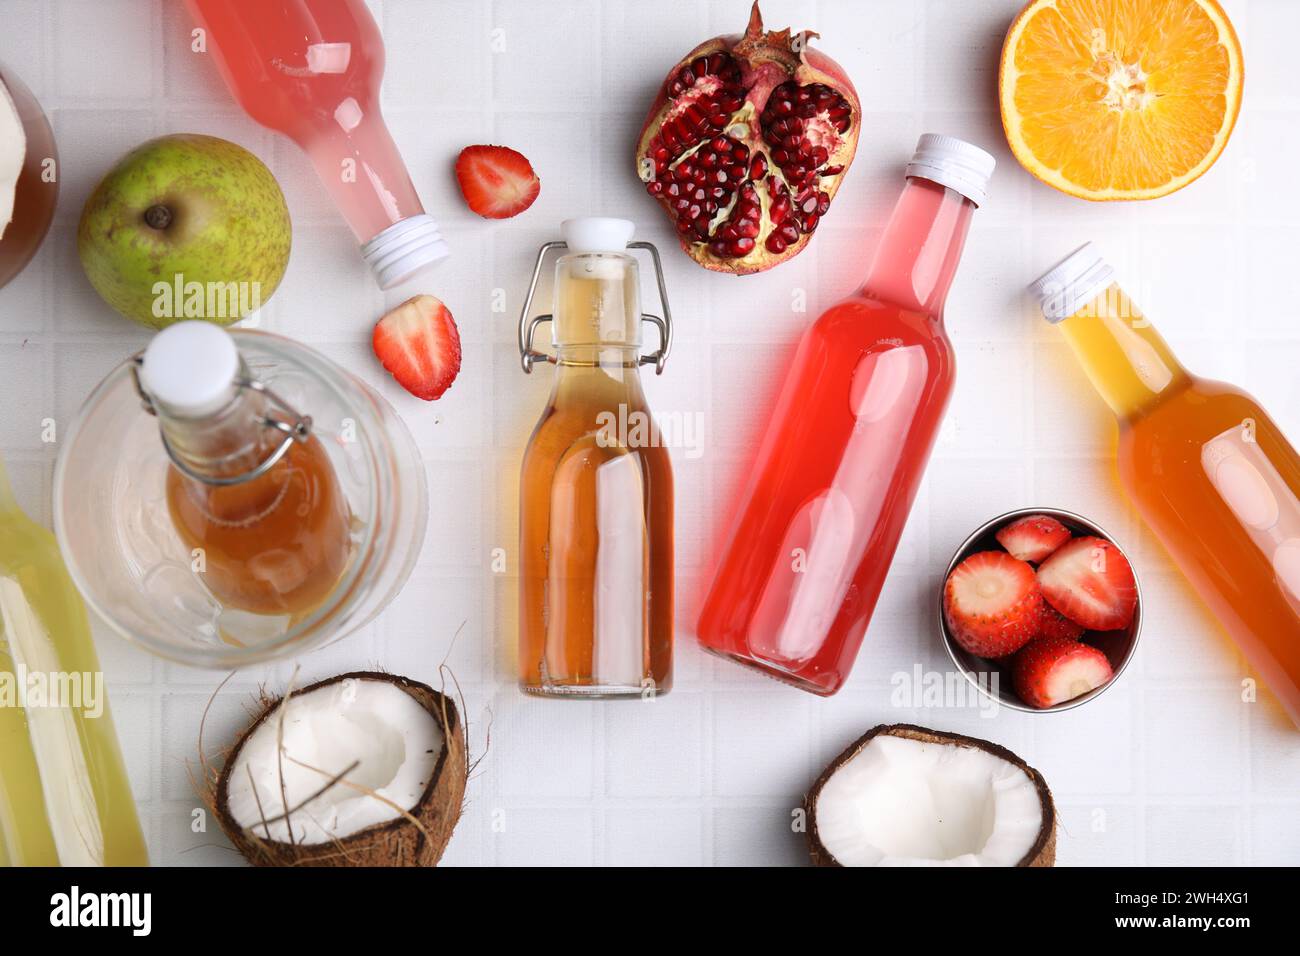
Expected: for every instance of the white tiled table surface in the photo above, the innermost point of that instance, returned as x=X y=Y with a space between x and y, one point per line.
x=1169 y=766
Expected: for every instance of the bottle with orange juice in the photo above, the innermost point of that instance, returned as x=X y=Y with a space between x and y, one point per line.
x=1207 y=468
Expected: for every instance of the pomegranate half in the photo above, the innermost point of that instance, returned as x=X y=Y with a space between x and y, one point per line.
x=747 y=144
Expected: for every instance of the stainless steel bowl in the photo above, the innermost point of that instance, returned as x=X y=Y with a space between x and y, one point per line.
x=1118 y=646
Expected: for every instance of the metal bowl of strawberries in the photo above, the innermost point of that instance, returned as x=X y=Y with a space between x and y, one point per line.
x=1040 y=609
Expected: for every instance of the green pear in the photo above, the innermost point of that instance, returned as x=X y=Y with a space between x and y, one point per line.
x=186 y=227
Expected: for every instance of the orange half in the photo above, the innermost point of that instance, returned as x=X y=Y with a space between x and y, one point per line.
x=1120 y=99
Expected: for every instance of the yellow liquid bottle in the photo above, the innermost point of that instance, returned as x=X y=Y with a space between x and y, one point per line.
x=1208 y=470
x=596 y=493
x=64 y=795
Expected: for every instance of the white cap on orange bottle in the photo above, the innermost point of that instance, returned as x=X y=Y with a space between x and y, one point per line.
x=1072 y=283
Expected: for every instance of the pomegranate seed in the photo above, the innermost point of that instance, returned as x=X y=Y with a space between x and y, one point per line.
x=736 y=172
x=741 y=152
x=654 y=187
x=809 y=204
x=747 y=228
x=780 y=157
x=742 y=246
x=699 y=66
x=758 y=168
x=819 y=155
x=810 y=222
x=673 y=190
x=775 y=244
x=721 y=144
x=782 y=107
x=823 y=203
x=832 y=170
x=788 y=231
x=719 y=248
x=780 y=209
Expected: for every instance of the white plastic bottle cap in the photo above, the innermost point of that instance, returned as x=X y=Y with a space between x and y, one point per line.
x=597 y=234
x=954 y=163
x=190 y=369
x=403 y=249
x=1072 y=283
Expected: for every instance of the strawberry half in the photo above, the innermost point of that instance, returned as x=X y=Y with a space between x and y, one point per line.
x=419 y=344
x=496 y=181
x=1052 y=623
x=991 y=603
x=1033 y=537
x=1052 y=670
x=1091 y=583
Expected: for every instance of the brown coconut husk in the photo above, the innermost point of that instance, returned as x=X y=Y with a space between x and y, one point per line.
x=1041 y=853
x=416 y=838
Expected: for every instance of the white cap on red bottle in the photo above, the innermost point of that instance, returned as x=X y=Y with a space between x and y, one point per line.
x=954 y=163
x=189 y=369
x=404 y=248
x=1072 y=283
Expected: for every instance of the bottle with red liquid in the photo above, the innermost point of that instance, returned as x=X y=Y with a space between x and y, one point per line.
x=854 y=424
x=311 y=69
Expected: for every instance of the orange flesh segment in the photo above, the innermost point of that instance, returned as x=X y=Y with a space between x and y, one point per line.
x=1120 y=96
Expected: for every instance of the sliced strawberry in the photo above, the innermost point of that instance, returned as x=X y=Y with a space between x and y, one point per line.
x=1051 y=670
x=992 y=604
x=1033 y=537
x=418 y=342
x=1052 y=623
x=497 y=181
x=1091 y=583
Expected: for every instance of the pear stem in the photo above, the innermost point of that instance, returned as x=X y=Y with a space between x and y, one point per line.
x=158 y=216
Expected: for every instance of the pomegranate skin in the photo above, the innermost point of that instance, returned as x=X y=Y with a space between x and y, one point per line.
x=770 y=67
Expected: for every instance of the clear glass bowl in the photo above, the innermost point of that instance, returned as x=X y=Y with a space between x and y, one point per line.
x=116 y=533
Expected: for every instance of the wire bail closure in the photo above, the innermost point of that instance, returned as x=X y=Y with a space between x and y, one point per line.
x=528 y=327
x=296 y=429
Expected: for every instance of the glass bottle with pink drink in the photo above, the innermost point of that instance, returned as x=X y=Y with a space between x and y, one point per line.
x=855 y=420
x=311 y=69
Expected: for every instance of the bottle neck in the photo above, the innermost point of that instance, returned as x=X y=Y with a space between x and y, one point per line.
x=1128 y=362
x=228 y=443
x=361 y=168
x=917 y=257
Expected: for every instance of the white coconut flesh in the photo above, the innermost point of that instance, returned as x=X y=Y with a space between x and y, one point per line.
x=394 y=742
x=13 y=152
x=904 y=802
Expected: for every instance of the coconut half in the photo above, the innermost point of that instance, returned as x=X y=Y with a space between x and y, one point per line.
x=906 y=796
x=363 y=769
x=13 y=153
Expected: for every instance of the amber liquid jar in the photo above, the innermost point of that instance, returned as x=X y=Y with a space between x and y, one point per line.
x=38 y=187
x=596 y=503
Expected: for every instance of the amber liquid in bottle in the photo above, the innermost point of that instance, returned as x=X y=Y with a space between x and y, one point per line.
x=596 y=505
x=276 y=544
